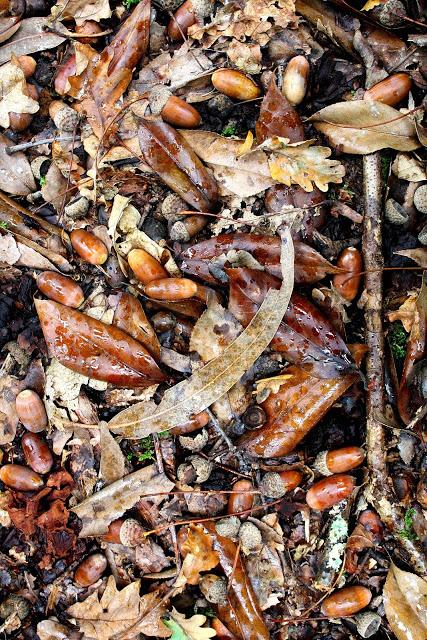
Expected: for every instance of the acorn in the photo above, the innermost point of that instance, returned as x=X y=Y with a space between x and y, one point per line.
x=20 y=478
x=330 y=491
x=235 y=84
x=395 y=213
x=64 y=117
x=90 y=570
x=60 y=288
x=171 y=289
x=131 y=533
x=28 y=65
x=295 y=80
x=338 y=460
x=276 y=485
x=77 y=208
x=189 y=13
x=347 y=284
x=145 y=267
x=185 y=229
x=31 y=410
x=346 y=602
x=214 y=588
x=390 y=91
x=180 y=114
x=88 y=246
x=37 y=453
x=241 y=500
x=420 y=198
x=89 y=29
x=194 y=423
x=20 y=121
x=171 y=206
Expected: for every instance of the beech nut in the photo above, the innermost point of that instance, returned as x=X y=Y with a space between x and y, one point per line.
x=330 y=491
x=37 y=453
x=20 y=478
x=88 y=246
x=295 y=80
x=60 y=288
x=90 y=570
x=346 y=284
x=390 y=91
x=171 y=289
x=31 y=411
x=241 y=500
x=180 y=114
x=346 y=602
x=235 y=84
x=145 y=267
x=339 y=460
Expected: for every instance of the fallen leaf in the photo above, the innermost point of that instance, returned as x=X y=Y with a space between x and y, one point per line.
x=213 y=331
x=406 y=167
x=9 y=26
x=216 y=378
x=188 y=628
x=405 y=604
x=110 y=503
x=278 y=118
x=405 y=313
x=246 y=57
x=199 y=555
x=82 y=10
x=33 y=35
x=130 y=317
x=112 y=464
x=16 y=176
x=378 y=127
x=9 y=389
x=9 y=252
x=371 y=4
x=95 y=349
x=31 y=257
x=51 y=629
x=272 y=385
x=123 y=613
x=54 y=190
x=418 y=255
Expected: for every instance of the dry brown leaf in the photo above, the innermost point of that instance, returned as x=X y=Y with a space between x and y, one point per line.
x=9 y=252
x=122 y=612
x=188 y=628
x=406 y=312
x=199 y=556
x=16 y=176
x=378 y=127
x=112 y=464
x=33 y=35
x=111 y=502
x=418 y=255
x=212 y=381
x=9 y=389
x=213 y=331
x=405 y=603
x=82 y=10
x=246 y=57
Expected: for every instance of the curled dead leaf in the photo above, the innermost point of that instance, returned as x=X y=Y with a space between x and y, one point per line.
x=405 y=603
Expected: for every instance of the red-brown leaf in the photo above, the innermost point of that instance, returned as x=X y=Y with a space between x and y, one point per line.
x=278 y=118
x=95 y=349
x=130 y=317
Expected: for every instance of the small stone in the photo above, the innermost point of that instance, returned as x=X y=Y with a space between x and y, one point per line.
x=77 y=208
x=214 y=588
x=420 y=198
x=202 y=467
x=272 y=485
x=250 y=538
x=395 y=213
x=228 y=527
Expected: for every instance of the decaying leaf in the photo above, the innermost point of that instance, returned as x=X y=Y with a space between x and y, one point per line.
x=371 y=4
x=214 y=379
x=112 y=464
x=405 y=603
x=123 y=613
x=111 y=502
x=13 y=92
x=213 y=331
x=16 y=176
x=406 y=167
x=418 y=255
x=198 y=554
x=82 y=10
x=9 y=389
x=33 y=35
x=130 y=317
x=246 y=57
x=188 y=628
x=406 y=312
x=9 y=252
x=365 y=126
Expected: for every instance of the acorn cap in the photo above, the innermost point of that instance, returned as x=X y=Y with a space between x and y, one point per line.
x=420 y=198
x=422 y=236
x=77 y=208
x=202 y=467
x=158 y=97
x=195 y=443
x=272 y=485
x=388 y=13
x=64 y=117
x=202 y=8
x=395 y=213
x=179 y=232
x=228 y=527
x=169 y=5
x=131 y=533
x=320 y=464
x=250 y=538
x=171 y=206
x=214 y=588
x=36 y=165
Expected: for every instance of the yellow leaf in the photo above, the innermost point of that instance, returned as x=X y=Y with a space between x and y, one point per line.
x=246 y=145
x=198 y=556
x=371 y=4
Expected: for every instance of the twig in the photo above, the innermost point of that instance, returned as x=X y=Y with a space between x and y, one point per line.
x=379 y=491
x=35 y=143
x=224 y=436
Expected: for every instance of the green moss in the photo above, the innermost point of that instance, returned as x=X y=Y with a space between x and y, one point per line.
x=145 y=450
x=130 y=3
x=408 y=530
x=385 y=162
x=4 y=224
x=42 y=181
x=229 y=129
x=398 y=338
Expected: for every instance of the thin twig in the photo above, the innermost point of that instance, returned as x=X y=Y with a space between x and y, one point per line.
x=35 y=143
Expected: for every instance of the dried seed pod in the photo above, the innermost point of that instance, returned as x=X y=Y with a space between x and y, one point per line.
x=235 y=84
x=250 y=538
x=88 y=246
x=77 y=208
x=395 y=213
x=214 y=588
x=15 y=605
x=346 y=283
x=193 y=424
x=113 y=533
x=346 y=602
x=420 y=198
x=66 y=70
x=88 y=28
x=179 y=113
x=28 y=65
x=37 y=453
x=241 y=500
x=60 y=288
x=172 y=289
x=185 y=229
x=90 y=570
x=37 y=164
x=145 y=267
x=20 y=478
x=295 y=80
x=64 y=117
x=329 y=491
x=189 y=13
x=132 y=533
x=368 y=623
x=228 y=527
x=31 y=411
x=254 y=417
x=338 y=460
x=390 y=91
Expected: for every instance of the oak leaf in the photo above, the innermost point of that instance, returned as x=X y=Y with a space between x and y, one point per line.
x=188 y=628
x=199 y=555
x=82 y=10
x=13 y=92
x=405 y=604
x=406 y=313
x=112 y=464
x=122 y=612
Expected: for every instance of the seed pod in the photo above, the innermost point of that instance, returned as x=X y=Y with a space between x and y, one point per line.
x=329 y=491
x=60 y=288
x=28 y=65
x=390 y=91
x=185 y=229
x=193 y=424
x=180 y=114
x=346 y=602
x=113 y=533
x=20 y=478
x=88 y=246
x=235 y=84
x=339 y=460
x=37 y=453
x=131 y=533
x=295 y=80
x=145 y=267
x=66 y=70
x=346 y=284
x=172 y=289
x=240 y=500
x=31 y=411
x=189 y=13
x=64 y=117
x=90 y=570
x=214 y=588
x=89 y=28
x=276 y=485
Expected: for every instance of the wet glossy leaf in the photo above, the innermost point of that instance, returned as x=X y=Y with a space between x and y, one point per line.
x=305 y=335
x=170 y=156
x=405 y=598
x=216 y=378
x=95 y=349
x=129 y=316
x=199 y=259
x=278 y=118
x=364 y=126
x=198 y=554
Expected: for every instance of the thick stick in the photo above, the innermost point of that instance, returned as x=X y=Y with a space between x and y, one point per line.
x=379 y=491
